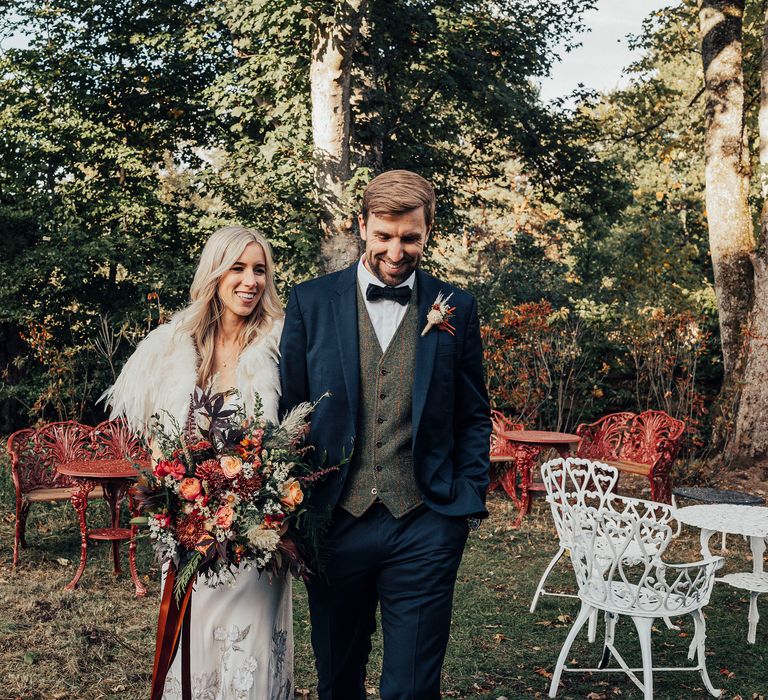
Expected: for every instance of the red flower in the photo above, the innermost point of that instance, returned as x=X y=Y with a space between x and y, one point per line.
x=273 y=522
x=201 y=446
x=163 y=519
x=190 y=529
x=210 y=472
x=170 y=468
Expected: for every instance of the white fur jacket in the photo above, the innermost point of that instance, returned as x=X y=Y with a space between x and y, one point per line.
x=162 y=373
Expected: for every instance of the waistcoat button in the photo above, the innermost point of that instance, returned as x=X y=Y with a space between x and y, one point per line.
x=374 y=491
x=382 y=396
x=378 y=443
x=379 y=467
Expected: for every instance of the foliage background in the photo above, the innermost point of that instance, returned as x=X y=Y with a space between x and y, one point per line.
x=130 y=130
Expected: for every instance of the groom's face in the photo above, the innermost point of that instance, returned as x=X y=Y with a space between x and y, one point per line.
x=394 y=244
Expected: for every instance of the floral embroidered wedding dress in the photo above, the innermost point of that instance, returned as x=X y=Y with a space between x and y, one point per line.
x=241 y=639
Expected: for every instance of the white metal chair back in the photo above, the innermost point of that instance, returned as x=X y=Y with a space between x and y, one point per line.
x=576 y=482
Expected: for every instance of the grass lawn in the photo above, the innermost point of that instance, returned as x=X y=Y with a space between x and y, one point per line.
x=98 y=641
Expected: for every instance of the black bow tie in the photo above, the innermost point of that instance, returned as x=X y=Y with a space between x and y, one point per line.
x=402 y=295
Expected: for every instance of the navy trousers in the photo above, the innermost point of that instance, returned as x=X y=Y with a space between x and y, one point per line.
x=408 y=567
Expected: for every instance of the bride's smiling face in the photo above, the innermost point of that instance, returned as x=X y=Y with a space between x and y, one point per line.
x=241 y=287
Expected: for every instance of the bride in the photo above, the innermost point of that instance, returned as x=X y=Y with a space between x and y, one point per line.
x=241 y=637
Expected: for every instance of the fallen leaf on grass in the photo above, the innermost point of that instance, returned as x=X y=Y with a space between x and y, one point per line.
x=498 y=637
x=118 y=689
x=62 y=561
x=728 y=674
x=28 y=659
x=597 y=696
x=543 y=672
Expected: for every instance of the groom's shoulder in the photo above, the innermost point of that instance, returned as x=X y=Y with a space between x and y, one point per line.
x=318 y=288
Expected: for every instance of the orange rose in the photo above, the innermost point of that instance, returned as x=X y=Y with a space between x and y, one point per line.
x=292 y=494
x=190 y=488
x=224 y=517
x=231 y=466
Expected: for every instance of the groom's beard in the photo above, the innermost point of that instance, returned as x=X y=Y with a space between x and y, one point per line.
x=389 y=276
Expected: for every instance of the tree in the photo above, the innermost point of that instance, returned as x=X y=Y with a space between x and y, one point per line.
x=727 y=171
x=333 y=50
x=750 y=431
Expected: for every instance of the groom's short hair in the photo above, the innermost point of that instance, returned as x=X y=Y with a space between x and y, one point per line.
x=399 y=191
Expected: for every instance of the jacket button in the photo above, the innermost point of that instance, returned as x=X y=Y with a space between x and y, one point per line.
x=379 y=467
x=384 y=372
x=378 y=443
x=374 y=491
x=382 y=396
x=379 y=420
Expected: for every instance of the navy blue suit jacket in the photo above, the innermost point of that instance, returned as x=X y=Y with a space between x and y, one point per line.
x=451 y=413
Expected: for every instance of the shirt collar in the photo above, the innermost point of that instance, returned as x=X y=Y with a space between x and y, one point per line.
x=366 y=277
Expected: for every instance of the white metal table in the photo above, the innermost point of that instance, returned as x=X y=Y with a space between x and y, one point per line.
x=749 y=521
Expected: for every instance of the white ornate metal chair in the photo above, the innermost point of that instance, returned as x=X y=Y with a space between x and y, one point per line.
x=572 y=482
x=617 y=559
x=582 y=482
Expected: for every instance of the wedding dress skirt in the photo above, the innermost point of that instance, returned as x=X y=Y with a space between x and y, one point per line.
x=241 y=641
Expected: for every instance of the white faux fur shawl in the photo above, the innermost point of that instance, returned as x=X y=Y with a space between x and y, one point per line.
x=162 y=373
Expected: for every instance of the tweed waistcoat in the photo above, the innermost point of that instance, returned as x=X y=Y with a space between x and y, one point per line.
x=382 y=462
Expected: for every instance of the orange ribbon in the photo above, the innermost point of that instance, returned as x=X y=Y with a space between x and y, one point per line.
x=173 y=621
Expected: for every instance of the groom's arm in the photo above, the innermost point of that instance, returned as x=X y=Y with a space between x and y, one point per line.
x=293 y=357
x=472 y=413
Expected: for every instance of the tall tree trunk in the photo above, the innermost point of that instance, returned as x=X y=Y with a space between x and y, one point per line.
x=330 y=73
x=751 y=431
x=731 y=237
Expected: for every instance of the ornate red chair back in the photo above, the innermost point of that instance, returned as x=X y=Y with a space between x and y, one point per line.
x=653 y=437
x=604 y=438
x=500 y=423
x=113 y=439
x=53 y=444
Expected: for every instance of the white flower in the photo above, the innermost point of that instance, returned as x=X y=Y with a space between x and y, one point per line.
x=439 y=313
x=265 y=540
x=242 y=680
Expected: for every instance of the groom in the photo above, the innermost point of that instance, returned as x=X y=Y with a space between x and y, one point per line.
x=414 y=407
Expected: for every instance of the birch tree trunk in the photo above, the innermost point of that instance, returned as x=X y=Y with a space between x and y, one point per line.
x=731 y=237
x=751 y=430
x=330 y=73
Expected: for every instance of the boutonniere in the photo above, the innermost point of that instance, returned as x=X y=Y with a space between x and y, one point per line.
x=440 y=315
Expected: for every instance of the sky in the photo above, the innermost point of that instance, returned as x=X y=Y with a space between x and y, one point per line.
x=604 y=53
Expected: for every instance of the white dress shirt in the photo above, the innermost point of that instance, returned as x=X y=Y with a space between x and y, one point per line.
x=385 y=314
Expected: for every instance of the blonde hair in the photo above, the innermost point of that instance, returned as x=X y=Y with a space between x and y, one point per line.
x=202 y=318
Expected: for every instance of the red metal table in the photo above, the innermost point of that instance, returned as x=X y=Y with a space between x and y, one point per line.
x=526 y=446
x=114 y=476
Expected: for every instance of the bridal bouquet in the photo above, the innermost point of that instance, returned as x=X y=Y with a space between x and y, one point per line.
x=230 y=490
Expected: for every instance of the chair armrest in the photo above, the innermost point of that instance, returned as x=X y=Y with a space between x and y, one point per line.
x=715 y=562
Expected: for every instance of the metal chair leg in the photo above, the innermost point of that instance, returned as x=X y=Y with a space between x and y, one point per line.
x=584 y=613
x=592 y=628
x=547 y=572
x=700 y=636
x=643 y=626
x=610 y=629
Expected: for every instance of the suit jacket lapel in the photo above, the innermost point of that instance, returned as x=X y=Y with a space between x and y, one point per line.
x=344 y=304
x=426 y=347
